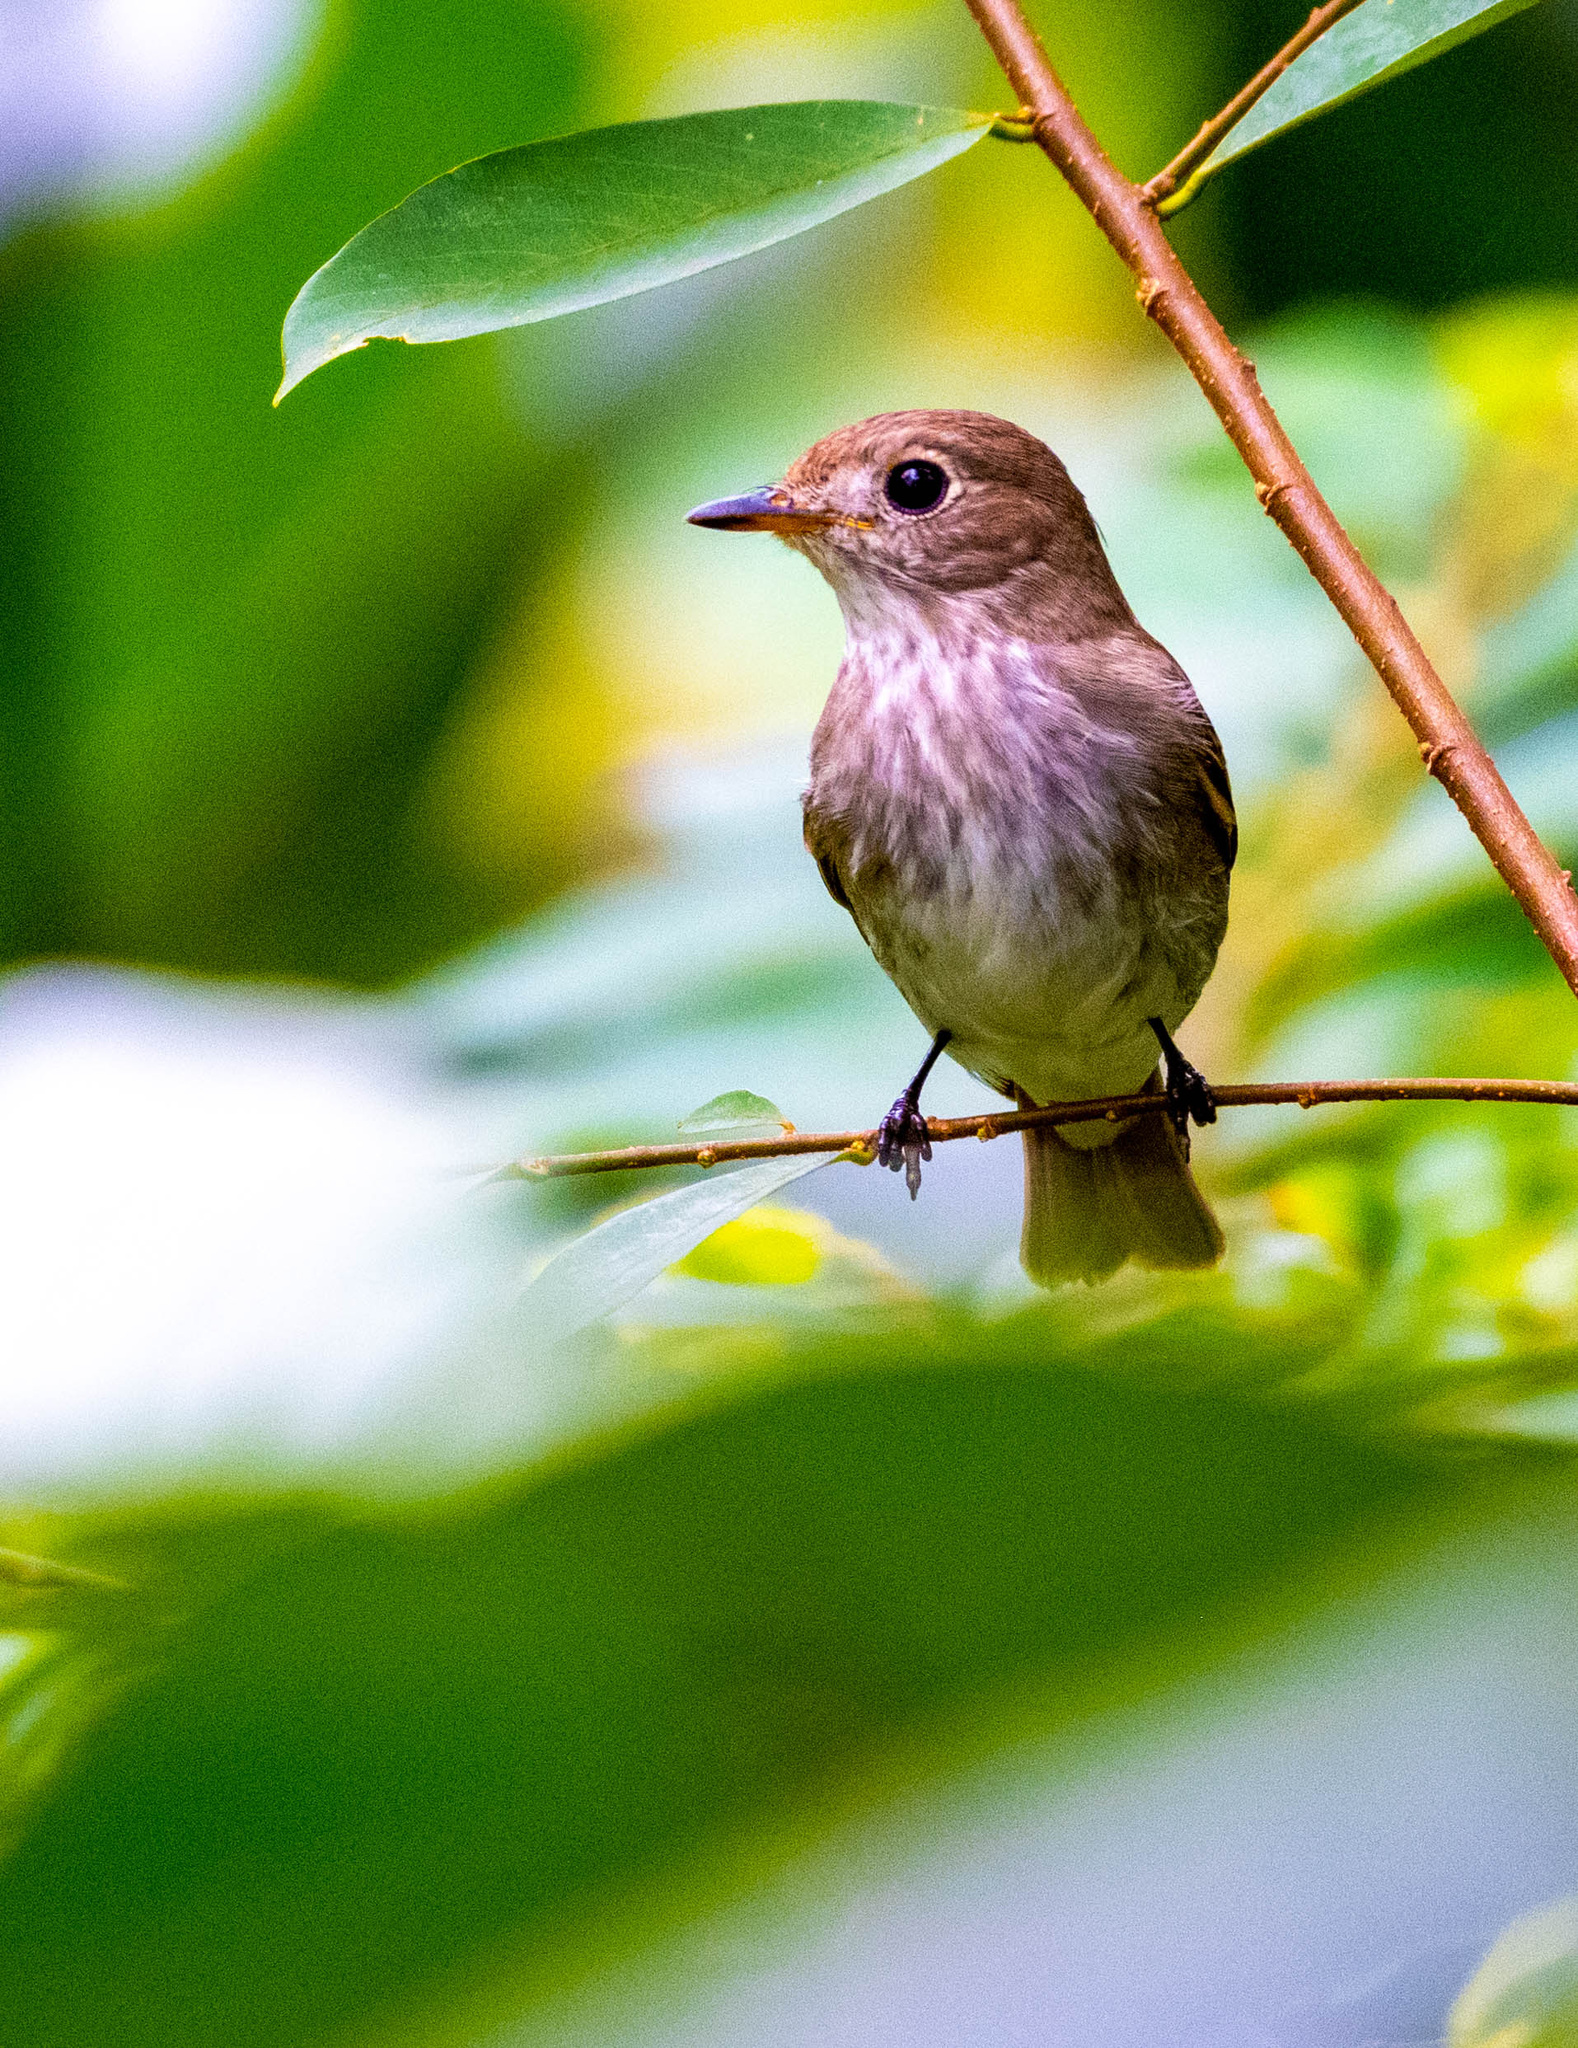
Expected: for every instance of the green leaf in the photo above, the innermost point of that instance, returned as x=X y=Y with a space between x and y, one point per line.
x=1378 y=41
x=528 y=233
x=739 y=1113
x=603 y=1269
x=1525 y=1993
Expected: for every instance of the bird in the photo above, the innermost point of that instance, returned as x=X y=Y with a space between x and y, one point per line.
x=1018 y=797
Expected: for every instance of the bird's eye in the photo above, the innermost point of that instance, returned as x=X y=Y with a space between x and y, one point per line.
x=916 y=486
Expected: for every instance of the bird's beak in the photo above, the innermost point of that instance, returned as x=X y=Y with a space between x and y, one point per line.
x=772 y=509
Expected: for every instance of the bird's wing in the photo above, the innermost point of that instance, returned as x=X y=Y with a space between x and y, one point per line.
x=820 y=846
x=835 y=886
x=1216 y=802
x=1129 y=683
x=824 y=843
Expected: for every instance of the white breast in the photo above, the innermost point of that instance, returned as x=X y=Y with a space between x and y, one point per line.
x=988 y=820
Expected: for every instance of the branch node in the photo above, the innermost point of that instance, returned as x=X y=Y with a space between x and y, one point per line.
x=706 y=1156
x=988 y=1131
x=1269 y=493
x=1161 y=193
x=1150 y=291
x=1433 y=753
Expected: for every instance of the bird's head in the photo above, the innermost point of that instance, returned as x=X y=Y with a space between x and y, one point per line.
x=935 y=511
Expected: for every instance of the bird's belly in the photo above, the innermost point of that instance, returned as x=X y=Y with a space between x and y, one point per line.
x=1039 y=991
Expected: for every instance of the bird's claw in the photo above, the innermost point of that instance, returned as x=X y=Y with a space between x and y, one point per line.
x=1189 y=1097
x=904 y=1140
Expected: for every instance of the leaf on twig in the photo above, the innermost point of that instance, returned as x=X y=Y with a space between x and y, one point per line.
x=737 y=1115
x=1378 y=41
x=531 y=232
x=605 y=1268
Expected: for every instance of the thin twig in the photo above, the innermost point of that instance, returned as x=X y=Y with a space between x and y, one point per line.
x=862 y=1145
x=1167 y=181
x=1448 y=744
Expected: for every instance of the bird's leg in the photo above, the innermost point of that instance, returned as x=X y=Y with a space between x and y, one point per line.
x=1188 y=1091
x=902 y=1136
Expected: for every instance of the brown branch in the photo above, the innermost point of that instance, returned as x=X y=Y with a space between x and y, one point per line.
x=861 y=1145
x=1448 y=744
x=1167 y=181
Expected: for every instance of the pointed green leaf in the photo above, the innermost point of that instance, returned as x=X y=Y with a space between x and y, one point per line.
x=544 y=229
x=740 y=1113
x=605 y=1268
x=1380 y=40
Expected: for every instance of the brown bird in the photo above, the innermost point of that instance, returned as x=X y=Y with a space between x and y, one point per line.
x=1016 y=795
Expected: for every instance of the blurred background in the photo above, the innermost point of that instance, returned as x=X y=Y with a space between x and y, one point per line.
x=835 y=1644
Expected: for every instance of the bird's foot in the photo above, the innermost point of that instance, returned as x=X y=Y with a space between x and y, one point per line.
x=1189 y=1093
x=1189 y=1096
x=904 y=1140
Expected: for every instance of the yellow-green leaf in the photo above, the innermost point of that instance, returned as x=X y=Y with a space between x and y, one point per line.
x=766 y=1247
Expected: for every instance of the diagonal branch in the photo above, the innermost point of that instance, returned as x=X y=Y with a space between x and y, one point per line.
x=1167 y=181
x=861 y=1146
x=1448 y=744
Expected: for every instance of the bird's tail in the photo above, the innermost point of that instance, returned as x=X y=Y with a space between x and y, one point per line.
x=1089 y=1209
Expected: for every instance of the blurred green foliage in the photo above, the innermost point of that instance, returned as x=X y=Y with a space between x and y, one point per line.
x=1526 y=1990
x=376 y=1750
x=231 y=637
